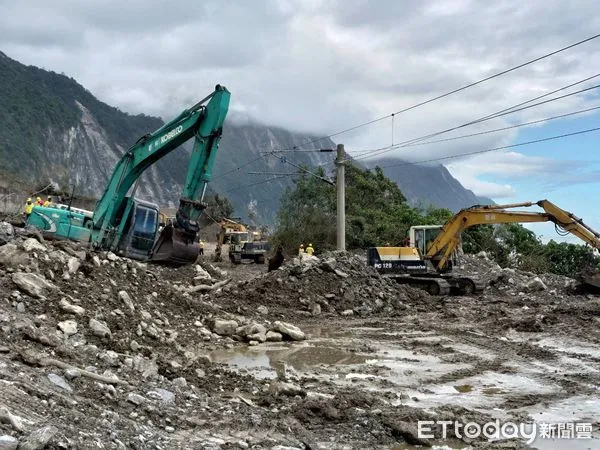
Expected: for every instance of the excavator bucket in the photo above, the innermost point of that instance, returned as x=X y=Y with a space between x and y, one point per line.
x=591 y=280
x=174 y=248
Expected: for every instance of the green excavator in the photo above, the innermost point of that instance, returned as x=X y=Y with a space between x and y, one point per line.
x=130 y=227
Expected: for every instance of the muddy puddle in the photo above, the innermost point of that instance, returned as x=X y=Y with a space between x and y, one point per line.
x=428 y=371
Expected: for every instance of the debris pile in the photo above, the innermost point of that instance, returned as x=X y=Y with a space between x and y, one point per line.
x=336 y=283
x=514 y=282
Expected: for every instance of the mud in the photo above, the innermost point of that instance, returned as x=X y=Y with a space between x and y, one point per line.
x=376 y=358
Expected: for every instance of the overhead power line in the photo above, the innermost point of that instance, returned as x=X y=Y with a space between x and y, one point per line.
x=454 y=91
x=504 y=147
x=524 y=124
x=386 y=149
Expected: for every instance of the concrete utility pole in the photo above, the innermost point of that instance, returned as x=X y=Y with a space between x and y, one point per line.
x=341 y=198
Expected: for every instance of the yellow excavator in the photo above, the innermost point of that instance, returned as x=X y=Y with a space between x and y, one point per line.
x=426 y=262
x=244 y=246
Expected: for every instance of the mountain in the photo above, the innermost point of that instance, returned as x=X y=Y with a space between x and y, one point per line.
x=53 y=130
x=428 y=184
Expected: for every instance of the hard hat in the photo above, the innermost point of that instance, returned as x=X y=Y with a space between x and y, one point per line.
x=29 y=199
x=38 y=198
x=49 y=197
x=301 y=245
x=310 y=245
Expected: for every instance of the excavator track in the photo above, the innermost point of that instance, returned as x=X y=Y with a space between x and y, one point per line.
x=441 y=284
x=433 y=285
x=174 y=248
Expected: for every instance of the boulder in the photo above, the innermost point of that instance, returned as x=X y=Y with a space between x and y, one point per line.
x=74 y=309
x=11 y=256
x=8 y=442
x=32 y=284
x=59 y=381
x=288 y=330
x=7 y=232
x=99 y=329
x=73 y=264
x=224 y=327
x=536 y=285
x=278 y=388
x=274 y=336
x=126 y=299
x=68 y=327
x=32 y=245
x=38 y=439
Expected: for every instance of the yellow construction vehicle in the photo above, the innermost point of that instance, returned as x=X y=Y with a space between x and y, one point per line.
x=427 y=260
x=244 y=245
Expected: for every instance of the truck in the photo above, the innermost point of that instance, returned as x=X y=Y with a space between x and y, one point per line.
x=131 y=227
x=427 y=261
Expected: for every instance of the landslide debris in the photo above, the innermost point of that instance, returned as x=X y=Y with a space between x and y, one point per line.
x=336 y=283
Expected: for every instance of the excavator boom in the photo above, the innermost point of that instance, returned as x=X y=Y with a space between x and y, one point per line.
x=448 y=239
x=122 y=223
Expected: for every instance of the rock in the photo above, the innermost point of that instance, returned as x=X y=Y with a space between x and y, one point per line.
x=408 y=432
x=162 y=394
x=278 y=388
x=8 y=442
x=482 y=255
x=202 y=274
x=274 y=336
x=38 y=439
x=112 y=257
x=329 y=296
x=111 y=358
x=136 y=399
x=7 y=232
x=200 y=373
x=73 y=265
x=145 y=366
x=66 y=306
x=32 y=245
x=347 y=312
x=289 y=330
x=96 y=261
x=224 y=327
x=99 y=329
x=169 y=429
x=125 y=298
x=134 y=346
x=252 y=332
x=536 y=285
x=11 y=256
x=32 y=284
x=340 y=273
x=179 y=382
x=68 y=327
x=263 y=310
x=59 y=381
x=72 y=373
x=21 y=307
x=328 y=265
x=315 y=310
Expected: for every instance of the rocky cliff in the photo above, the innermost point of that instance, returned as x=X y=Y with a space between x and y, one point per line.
x=55 y=131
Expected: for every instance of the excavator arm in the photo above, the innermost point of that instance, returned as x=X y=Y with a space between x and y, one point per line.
x=448 y=239
x=204 y=122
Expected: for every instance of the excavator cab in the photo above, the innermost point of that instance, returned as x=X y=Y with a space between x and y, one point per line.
x=140 y=231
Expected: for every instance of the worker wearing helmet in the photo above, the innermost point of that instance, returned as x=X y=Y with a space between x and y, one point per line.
x=310 y=250
x=39 y=202
x=48 y=202
x=28 y=208
x=301 y=251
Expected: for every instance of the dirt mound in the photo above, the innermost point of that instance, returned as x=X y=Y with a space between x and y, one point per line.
x=336 y=283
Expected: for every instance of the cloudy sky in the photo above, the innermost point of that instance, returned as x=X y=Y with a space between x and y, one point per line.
x=322 y=66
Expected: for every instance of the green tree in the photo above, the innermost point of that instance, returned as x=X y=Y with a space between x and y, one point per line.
x=218 y=207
